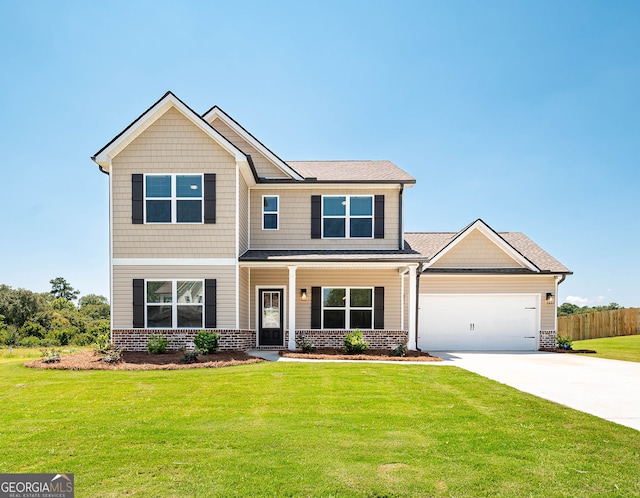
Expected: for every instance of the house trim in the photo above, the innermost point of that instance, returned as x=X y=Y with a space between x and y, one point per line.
x=174 y=261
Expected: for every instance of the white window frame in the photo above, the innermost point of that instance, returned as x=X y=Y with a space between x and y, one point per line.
x=276 y=212
x=347 y=306
x=174 y=302
x=174 y=199
x=348 y=216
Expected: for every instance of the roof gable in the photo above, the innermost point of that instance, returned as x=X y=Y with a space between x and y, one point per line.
x=476 y=250
x=479 y=246
x=168 y=101
x=266 y=162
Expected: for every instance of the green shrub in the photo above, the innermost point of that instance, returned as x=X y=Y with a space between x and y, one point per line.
x=50 y=355
x=85 y=339
x=32 y=329
x=102 y=344
x=400 y=350
x=157 y=344
x=306 y=345
x=354 y=342
x=564 y=342
x=30 y=342
x=59 y=337
x=10 y=336
x=113 y=354
x=190 y=356
x=206 y=342
x=103 y=347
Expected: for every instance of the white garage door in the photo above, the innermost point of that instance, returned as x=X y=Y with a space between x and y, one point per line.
x=466 y=322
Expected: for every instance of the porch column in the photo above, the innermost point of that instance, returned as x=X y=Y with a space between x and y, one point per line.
x=291 y=345
x=412 y=308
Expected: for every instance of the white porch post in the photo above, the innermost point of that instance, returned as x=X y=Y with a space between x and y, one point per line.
x=412 y=308
x=291 y=345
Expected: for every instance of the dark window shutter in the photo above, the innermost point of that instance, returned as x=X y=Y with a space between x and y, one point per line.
x=210 y=299
x=137 y=199
x=316 y=217
x=378 y=308
x=316 y=307
x=138 y=303
x=378 y=231
x=210 y=198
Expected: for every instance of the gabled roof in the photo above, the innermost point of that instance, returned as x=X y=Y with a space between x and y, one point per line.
x=217 y=113
x=434 y=245
x=352 y=171
x=104 y=156
x=293 y=171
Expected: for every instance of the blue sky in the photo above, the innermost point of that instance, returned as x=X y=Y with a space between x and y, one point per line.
x=523 y=113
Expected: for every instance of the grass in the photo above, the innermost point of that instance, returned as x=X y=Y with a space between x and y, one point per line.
x=306 y=429
x=22 y=354
x=626 y=348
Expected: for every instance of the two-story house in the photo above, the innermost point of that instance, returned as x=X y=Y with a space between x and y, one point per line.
x=209 y=229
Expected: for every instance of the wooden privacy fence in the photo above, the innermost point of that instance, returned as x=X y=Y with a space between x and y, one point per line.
x=600 y=324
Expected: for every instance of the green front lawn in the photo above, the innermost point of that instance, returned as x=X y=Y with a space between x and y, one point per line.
x=21 y=354
x=306 y=429
x=625 y=348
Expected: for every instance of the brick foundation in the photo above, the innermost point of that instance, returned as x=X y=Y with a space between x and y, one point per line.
x=377 y=339
x=136 y=339
x=548 y=339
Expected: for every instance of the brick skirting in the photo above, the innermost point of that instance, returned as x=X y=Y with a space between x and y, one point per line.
x=377 y=339
x=548 y=339
x=136 y=339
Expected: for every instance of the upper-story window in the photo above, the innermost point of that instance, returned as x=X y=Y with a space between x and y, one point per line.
x=173 y=199
x=347 y=216
x=270 y=212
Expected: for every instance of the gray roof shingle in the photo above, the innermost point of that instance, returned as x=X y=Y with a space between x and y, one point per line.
x=352 y=171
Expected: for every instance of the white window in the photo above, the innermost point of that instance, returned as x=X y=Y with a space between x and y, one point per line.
x=347 y=307
x=347 y=216
x=270 y=212
x=174 y=303
x=173 y=199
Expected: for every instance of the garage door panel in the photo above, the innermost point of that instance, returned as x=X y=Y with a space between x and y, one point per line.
x=478 y=322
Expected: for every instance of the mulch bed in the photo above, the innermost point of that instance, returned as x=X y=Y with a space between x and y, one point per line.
x=369 y=354
x=562 y=350
x=134 y=360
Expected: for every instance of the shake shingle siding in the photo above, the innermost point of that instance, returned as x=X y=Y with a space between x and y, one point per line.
x=173 y=145
x=295 y=220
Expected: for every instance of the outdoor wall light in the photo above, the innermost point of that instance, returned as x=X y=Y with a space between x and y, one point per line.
x=303 y=294
x=550 y=299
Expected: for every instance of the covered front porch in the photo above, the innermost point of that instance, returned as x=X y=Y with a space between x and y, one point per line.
x=288 y=302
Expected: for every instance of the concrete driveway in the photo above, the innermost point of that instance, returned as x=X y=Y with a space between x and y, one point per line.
x=608 y=389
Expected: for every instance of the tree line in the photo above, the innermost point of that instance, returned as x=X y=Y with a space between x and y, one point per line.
x=31 y=319
x=572 y=309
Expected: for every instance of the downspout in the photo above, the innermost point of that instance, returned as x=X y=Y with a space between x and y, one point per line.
x=400 y=219
x=418 y=273
x=558 y=282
